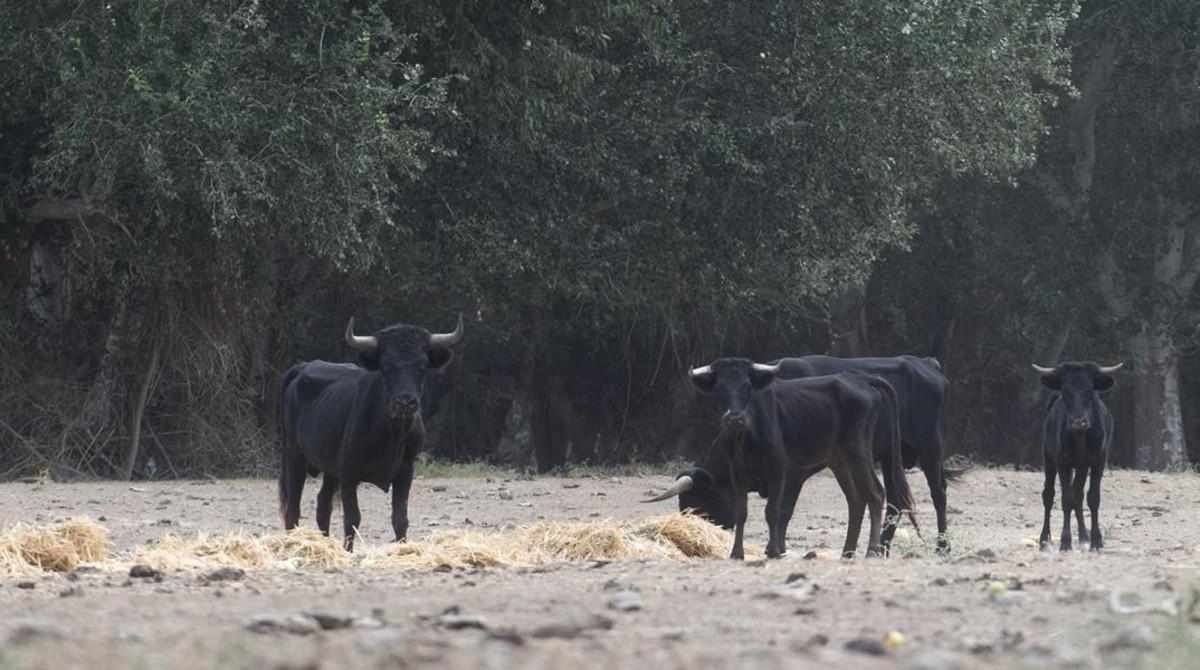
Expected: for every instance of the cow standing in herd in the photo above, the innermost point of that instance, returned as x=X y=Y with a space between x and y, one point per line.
x=778 y=432
x=359 y=423
x=1075 y=439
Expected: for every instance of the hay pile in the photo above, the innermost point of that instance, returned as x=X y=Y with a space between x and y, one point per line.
x=673 y=536
x=31 y=550
x=302 y=547
x=28 y=550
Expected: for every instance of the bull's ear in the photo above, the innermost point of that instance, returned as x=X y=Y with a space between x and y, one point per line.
x=761 y=378
x=704 y=381
x=369 y=359
x=440 y=357
x=701 y=478
x=1102 y=382
x=1052 y=382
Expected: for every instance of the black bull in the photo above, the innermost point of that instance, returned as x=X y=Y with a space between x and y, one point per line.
x=359 y=423
x=773 y=429
x=1075 y=440
x=921 y=391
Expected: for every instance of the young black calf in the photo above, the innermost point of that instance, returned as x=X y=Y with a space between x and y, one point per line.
x=1075 y=439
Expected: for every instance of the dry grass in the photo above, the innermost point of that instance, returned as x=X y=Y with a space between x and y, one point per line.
x=28 y=550
x=303 y=547
x=61 y=547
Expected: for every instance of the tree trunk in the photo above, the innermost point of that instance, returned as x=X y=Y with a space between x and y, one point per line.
x=847 y=325
x=1158 y=416
x=549 y=440
x=138 y=412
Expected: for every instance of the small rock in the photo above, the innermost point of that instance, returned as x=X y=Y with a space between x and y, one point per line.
x=455 y=621
x=31 y=632
x=1140 y=638
x=866 y=645
x=293 y=624
x=438 y=488
x=812 y=642
x=505 y=494
x=26 y=585
x=140 y=571
x=810 y=556
x=71 y=591
x=570 y=485
x=572 y=628
x=625 y=601
x=226 y=574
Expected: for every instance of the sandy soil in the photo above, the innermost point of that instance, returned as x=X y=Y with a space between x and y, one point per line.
x=1056 y=610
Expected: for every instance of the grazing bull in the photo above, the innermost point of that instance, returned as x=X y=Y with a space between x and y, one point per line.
x=359 y=423
x=1075 y=439
x=774 y=430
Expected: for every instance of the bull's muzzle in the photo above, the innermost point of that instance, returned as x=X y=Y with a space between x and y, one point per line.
x=732 y=419
x=1078 y=423
x=404 y=406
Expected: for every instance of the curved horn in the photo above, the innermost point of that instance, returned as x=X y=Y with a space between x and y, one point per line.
x=1111 y=368
x=360 y=342
x=446 y=339
x=1041 y=369
x=681 y=485
x=759 y=367
x=696 y=372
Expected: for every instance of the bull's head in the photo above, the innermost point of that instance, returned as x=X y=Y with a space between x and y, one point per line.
x=404 y=355
x=1078 y=383
x=733 y=381
x=700 y=492
x=708 y=491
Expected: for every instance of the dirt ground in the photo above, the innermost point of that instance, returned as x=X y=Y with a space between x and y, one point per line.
x=995 y=602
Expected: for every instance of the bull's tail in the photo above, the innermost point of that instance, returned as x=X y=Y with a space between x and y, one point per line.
x=288 y=377
x=895 y=479
x=955 y=467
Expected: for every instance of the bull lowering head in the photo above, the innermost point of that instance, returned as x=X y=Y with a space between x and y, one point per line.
x=404 y=355
x=1078 y=383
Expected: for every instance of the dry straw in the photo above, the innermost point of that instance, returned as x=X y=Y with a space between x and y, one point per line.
x=31 y=550
x=60 y=547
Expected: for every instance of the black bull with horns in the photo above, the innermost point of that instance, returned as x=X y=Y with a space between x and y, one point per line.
x=774 y=430
x=1075 y=440
x=359 y=423
x=921 y=391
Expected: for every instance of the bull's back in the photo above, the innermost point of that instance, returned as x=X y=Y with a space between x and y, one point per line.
x=316 y=403
x=817 y=413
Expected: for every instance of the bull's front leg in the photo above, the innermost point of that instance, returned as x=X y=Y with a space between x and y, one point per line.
x=401 y=485
x=739 y=523
x=792 y=483
x=774 y=513
x=1068 y=505
x=1047 y=504
x=350 y=514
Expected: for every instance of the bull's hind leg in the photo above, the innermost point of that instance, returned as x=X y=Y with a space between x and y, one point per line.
x=935 y=476
x=329 y=487
x=350 y=513
x=292 y=472
x=854 y=503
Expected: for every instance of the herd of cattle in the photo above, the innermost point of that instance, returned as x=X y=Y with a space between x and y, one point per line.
x=780 y=424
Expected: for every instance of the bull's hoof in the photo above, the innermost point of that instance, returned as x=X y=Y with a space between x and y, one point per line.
x=1097 y=542
x=875 y=552
x=772 y=552
x=1046 y=547
x=1065 y=545
x=737 y=556
x=848 y=555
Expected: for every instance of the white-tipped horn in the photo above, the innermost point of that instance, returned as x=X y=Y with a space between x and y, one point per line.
x=759 y=367
x=1112 y=368
x=681 y=485
x=1042 y=370
x=360 y=342
x=696 y=372
x=446 y=339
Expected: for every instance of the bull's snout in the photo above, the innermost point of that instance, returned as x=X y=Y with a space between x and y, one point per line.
x=404 y=405
x=1078 y=423
x=732 y=419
